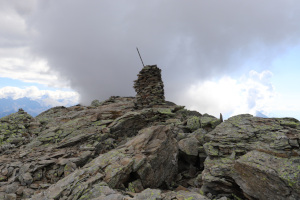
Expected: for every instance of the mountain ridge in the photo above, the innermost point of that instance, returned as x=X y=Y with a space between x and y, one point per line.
x=114 y=151
x=9 y=106
x=143 y=147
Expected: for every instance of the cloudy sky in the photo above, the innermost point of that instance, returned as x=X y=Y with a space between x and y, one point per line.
x=228 y=56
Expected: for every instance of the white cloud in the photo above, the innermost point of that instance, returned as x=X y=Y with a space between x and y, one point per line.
x=93 y=45
x=47 y=97
x=14 y=31
x=286 y=105
x=248 y=94
x=23 y=66
x=16 y=58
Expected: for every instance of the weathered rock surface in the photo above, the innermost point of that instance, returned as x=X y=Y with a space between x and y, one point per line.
x=63 y=140
x=14 y=130
x=264 y=176
x=111 y=150
x=150 y=157
x=255 y=158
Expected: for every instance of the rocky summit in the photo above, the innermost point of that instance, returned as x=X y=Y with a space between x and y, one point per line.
x=114 y=150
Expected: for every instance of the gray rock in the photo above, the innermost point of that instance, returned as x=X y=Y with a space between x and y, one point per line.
x=27 y=192
x=209 y=121
x=96 y=103
x=245 y=145
x=151 y=194
x=151 y=155
x=135 y=186
x=264 y=176
x=111 y=197
x=99 y=191
x=4 y=196
x=182 y=194
x=26 y=178
x=193 y=123
x=113 y=150
x=11 y=188
x=13 y=130
x=189 y=146
x=69 y=168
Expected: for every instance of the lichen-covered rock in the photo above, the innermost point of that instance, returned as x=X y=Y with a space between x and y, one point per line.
x=210 y=121
x=114 y=151
x=230 y=145
x=60 y=140
x=192 y=144
x=184 y=195
x=130 y=123
x=151 y=194
x=14 y=130
x=65 y=127
x=193 y=123
x=264 y=176
x=151 y=157
x=26 y=178
x=95 y=103
x=205 y=121
x=65 y=139
x=135 y=186
x=102 y=191
x=199 y=134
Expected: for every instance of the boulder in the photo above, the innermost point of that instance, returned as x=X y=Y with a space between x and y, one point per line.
x=205 y=121
x=189 y=146
x=151 y=194
x=193 y=123
x=210 y=121
x=245 y=145
x=264 y=176
x=151 y=157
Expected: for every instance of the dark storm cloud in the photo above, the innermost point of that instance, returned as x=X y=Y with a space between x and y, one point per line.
x=92 y=43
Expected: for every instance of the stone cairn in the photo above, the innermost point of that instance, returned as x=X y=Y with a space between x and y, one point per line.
x=149 y=87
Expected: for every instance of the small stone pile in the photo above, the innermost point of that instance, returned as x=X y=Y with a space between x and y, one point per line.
x=149 y=87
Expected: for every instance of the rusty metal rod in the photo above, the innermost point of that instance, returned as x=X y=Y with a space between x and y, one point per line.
x=140 y=56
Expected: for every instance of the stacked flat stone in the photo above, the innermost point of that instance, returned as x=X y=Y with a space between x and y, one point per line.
x=149 y=87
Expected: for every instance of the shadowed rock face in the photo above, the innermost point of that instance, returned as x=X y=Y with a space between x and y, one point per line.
x=149 y=87
x=110 y=150
x=150 y=157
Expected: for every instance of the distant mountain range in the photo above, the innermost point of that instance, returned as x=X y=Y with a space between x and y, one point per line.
x=259 y=114
x=9 y=105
